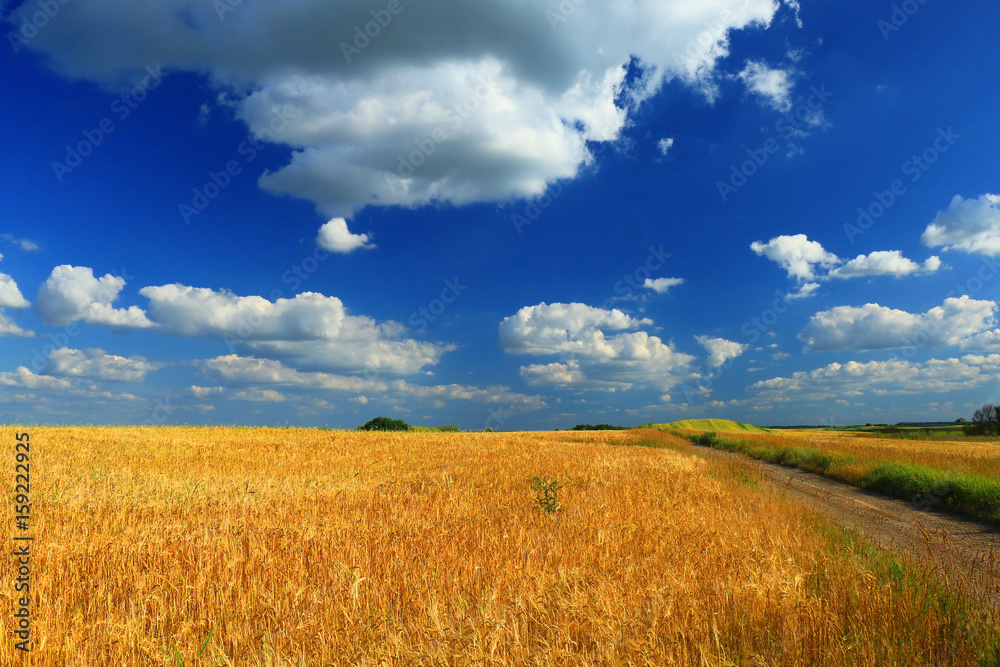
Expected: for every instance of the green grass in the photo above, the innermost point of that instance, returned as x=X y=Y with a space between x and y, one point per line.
x=717 y=425
x=967 y=495
x=968 y=620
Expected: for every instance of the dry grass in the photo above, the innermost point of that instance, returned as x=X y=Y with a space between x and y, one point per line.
x=338 y=548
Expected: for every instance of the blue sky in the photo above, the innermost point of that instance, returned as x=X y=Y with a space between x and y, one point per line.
x=509 y=215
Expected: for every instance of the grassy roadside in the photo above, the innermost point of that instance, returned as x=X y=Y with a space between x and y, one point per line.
x=961 y=619
x=968 y=495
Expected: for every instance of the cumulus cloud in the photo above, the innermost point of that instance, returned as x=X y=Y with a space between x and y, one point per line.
x=578 y=332
x=773 y=85
x=662 y=285
x=884 y=263
x=335 y=237
x=9 y=327
x=875 y=327
x=72 y=293
x=721 y=350
x=96 y=363
x=807 y=260
x=972 y=225
x=24 y=378
x=310 y=330
x=11 y=297
x=797 y=255
x=242 y=373
x=665 y=145
x=201 y=312
x=456 y=102
x=879 y=378
x=553 y=374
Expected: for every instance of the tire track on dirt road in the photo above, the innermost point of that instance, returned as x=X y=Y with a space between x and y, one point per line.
x=961 y=551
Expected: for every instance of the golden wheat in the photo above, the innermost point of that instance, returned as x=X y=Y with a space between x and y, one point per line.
x=306 y=547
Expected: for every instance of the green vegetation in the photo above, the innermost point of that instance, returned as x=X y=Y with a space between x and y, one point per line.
x=718 y=425
x=434 y=429
x=547 y=494
x=974 y=496
x=384 y=424
x=599 y=427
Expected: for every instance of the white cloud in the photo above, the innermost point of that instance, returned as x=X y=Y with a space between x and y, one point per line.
x=797 y=255
x=774 y=85
x=875 y=327
x=72 y=293
x=593 y=358
x=24 y=244
x=22 y=377
x=804 y=291
x=10 y=328
x=335 y=237
x=661 y=285
x=96 y=363
x=665 y=145
x=804 y=260
x=554 y=373
x=310 y=330
x=360 y=118
x=234 y=370
x=561 y=327
x=894 y=376
x=260 y=396
x=721 y=350
x=10 y=295
x=884 y=263
x=201 y=312
x=972 y=225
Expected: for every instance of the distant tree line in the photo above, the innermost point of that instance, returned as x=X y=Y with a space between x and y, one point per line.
x=387 y=424
x=985 y=421
x=598 y=427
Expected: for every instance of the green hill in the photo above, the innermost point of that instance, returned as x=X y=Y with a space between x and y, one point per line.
x=717 y=425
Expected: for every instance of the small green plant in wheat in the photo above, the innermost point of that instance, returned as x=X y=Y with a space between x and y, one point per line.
x=547 y=495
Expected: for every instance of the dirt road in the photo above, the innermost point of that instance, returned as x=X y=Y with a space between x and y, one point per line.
x=962 y=551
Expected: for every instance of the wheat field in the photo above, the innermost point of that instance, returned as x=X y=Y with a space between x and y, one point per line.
x=244 y=546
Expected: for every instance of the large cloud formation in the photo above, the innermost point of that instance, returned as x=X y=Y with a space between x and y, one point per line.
x=972 y=225
x=408 y=103
x=590 y=356
x=875 y=327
